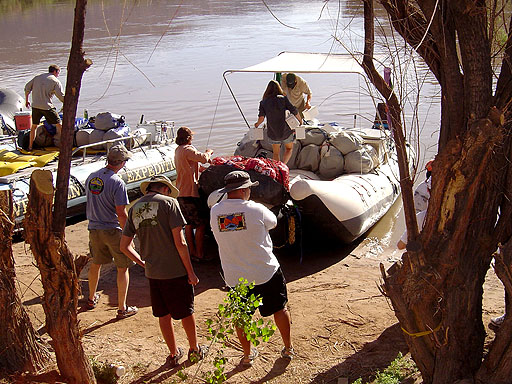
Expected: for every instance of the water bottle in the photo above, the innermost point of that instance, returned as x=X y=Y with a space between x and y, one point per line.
x=118 y=370
x=86 y=114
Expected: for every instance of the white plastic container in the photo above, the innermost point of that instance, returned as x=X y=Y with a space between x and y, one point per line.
x=311 y=113
x=152 y=127
x=256 y=133
x=300 y=132
x=292 y=121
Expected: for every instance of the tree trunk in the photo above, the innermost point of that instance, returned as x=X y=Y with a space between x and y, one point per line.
x=20 y=348
x=497 y=366
x=436 y=290
x=60 y=281
x=439 y=305
x=76 y=68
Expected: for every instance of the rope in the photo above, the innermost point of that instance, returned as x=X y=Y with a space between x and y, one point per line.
x=214 y=113
x=421 y=334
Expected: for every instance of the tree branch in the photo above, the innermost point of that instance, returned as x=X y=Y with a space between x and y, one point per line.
x=396 y=124
x=503 y=95
x=412 y=25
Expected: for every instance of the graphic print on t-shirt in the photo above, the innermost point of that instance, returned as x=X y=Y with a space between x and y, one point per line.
x=96 y=185
x=231 y=222
x=144 y=214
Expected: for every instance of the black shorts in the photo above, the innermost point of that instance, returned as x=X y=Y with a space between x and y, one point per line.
x=194 y=210
x=273 y=294
x=50 y=115
x=173 y=297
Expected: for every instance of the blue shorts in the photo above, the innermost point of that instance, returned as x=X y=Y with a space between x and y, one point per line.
x=289 y=139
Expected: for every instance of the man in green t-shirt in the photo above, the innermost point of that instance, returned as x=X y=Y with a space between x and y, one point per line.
x=157 y=221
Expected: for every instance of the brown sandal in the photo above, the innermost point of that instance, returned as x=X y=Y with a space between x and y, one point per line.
x=173 y=361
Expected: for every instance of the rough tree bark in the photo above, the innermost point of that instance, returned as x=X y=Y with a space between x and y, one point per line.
x=60 y=281
x=45 y=232
x=436 y=290
x=20 y=348
x=77 y=65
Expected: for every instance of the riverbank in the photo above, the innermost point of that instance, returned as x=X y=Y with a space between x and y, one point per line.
x=343 y=327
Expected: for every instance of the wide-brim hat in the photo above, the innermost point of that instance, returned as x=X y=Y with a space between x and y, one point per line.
x=159 y=179
x=237 y=180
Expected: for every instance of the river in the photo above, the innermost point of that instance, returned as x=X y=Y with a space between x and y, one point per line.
x=165 y=59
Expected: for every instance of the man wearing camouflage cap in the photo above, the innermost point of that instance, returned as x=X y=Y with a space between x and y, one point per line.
x=107 y=199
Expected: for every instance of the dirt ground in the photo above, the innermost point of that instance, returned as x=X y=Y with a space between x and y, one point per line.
x=343 y=327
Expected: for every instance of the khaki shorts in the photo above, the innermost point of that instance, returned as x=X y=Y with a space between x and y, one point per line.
x=104 y=246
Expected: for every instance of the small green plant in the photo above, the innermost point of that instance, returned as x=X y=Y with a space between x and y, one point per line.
x=398 y=370
x=236 y=312
x=104 y=372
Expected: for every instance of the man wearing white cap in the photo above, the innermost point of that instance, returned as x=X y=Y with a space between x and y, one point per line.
x=241 y=228
x=157 y=221
x=106 y=211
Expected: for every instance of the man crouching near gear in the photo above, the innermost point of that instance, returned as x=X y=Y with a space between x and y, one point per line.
x=241 y=228
x=157 y=221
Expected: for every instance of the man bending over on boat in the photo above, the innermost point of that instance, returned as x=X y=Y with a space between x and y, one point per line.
x=187 y=159
x=157 y=221
x=106 y=211
x=241 y=228
x=273 y=106
x=43 y=87
x=295 y=88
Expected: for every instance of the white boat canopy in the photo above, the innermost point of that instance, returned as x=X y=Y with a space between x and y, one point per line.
x=304 y=62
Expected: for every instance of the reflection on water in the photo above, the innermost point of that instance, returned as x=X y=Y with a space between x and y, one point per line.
x=164 y=60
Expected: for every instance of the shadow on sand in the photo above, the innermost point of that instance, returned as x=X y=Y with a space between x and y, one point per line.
x=374 y=356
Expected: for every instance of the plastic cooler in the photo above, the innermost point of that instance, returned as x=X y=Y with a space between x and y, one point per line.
x=23 y=120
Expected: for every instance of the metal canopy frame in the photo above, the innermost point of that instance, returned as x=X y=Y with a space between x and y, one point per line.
x=302 y=62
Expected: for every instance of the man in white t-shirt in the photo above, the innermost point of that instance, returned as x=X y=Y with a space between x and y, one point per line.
x=420 y=220
x=241 y=228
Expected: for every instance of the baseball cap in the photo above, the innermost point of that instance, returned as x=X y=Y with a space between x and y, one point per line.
x=291 y=80
x=237 y=180
x=118 y=153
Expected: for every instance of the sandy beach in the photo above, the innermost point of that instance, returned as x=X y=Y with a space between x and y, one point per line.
x=343 y=327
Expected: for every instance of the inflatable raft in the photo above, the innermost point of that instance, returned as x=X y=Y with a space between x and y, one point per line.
x=10 y=103
x=341 y=180
x=151 y=143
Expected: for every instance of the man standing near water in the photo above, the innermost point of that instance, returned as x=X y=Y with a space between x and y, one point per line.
x=241 y=228
x=106 y=211
x=43 y=87
x=295 y=87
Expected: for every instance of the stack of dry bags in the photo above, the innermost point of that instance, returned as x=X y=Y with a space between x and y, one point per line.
x=328 y=154
x=106 y=126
